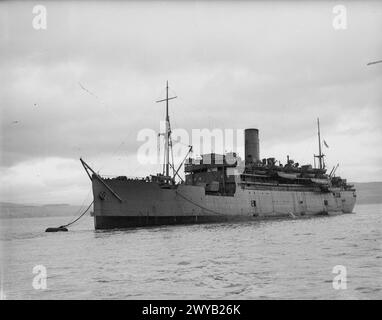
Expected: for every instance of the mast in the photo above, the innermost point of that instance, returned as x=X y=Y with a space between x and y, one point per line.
x=320 y=155
x=319 y=143
x=167 y=135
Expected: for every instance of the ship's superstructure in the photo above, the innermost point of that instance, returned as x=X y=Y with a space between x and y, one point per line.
x=220 y=187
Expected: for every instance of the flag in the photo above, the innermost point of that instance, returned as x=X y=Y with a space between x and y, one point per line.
x=326 y=145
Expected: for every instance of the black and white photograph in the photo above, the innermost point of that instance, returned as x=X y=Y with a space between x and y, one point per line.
x=158 y=151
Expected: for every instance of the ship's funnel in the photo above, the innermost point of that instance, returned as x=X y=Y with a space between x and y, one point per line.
x=252 y=149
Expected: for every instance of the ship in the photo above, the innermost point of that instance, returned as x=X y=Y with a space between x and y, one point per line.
x=220 y=188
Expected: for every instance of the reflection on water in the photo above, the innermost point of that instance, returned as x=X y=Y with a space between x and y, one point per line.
x=255 y=260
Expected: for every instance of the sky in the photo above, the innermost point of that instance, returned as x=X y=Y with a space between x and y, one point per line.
x=86 y=85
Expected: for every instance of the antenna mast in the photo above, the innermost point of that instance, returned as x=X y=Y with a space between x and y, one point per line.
x=167 y=135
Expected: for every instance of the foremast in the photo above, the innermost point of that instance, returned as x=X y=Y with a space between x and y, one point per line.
x=167 y=136
x=320 y=155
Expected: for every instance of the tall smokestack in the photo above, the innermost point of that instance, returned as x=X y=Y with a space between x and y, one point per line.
x=252 y=149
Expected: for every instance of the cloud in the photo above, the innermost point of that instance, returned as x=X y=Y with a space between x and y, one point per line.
x=274 y=66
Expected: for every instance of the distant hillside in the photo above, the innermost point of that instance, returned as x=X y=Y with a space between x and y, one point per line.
x=13 y=210
x=368 y=192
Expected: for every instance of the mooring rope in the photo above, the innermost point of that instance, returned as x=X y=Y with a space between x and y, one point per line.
x=82 y=214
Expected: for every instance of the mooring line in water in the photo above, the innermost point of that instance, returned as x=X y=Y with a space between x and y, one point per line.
x=64 y=227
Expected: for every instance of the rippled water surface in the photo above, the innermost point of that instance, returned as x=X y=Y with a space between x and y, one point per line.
x=256 y=260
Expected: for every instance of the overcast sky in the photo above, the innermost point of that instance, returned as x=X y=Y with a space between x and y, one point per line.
x=275 y=66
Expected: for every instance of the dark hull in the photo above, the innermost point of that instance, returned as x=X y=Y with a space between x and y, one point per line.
x=121 y=222
x=141 y=204
x=116 y=222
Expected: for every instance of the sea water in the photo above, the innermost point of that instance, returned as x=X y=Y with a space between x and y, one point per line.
x=279 y=259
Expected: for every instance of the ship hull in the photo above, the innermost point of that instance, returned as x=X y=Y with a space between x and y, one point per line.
x=136 y=203
x=119 y=222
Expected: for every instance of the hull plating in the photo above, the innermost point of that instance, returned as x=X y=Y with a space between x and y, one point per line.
x=146 y=204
